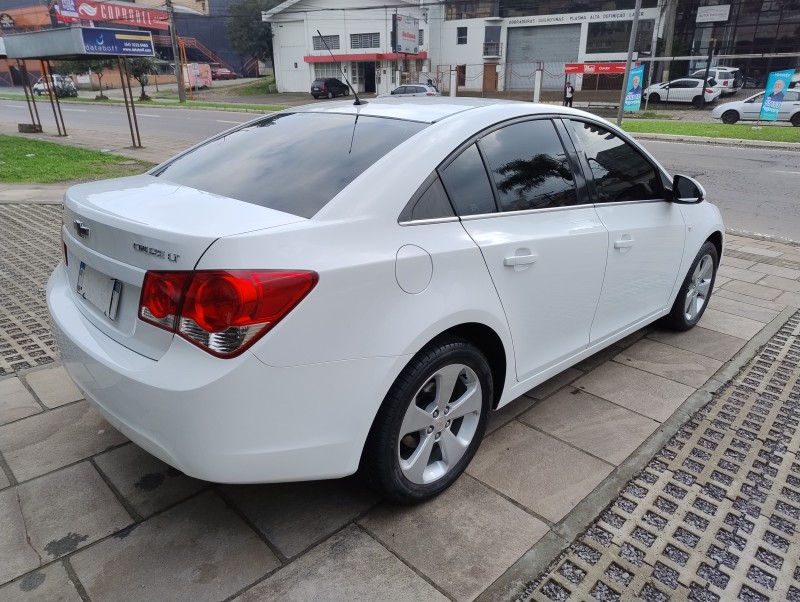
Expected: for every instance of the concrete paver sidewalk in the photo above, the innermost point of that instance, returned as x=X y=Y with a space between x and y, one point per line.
x=86 y=515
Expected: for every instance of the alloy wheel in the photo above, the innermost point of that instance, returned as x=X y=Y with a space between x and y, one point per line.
x=699 y=288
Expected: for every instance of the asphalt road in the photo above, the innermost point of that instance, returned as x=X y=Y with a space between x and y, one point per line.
x=756 y=189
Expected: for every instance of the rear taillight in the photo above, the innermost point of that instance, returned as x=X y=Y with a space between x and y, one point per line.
x=222 y=312
x=709 y=91
x=429 y=94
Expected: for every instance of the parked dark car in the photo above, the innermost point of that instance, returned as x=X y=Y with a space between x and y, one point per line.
x=329 y=87
x=222 y=73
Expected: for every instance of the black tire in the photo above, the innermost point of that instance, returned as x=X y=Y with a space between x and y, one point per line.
x=680 y=318
x=386 y=444
x=347 y=91
x=697 y=101
x=38 y=92
x=330 y=94
x=796 y=120
x=315 y=96
x=654 y=98
x=730 y=117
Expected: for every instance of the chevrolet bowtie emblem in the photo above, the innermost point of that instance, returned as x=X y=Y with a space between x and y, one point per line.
x=82 y=229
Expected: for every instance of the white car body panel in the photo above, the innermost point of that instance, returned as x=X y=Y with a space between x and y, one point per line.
x=300 y=402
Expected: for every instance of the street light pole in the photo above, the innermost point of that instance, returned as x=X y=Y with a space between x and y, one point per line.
x=631 y=44
x=175 y=53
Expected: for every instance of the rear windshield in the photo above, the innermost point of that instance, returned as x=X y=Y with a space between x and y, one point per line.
x=292 y=162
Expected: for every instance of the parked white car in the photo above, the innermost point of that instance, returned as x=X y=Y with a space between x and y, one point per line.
x=261 y=309
x=63 y=86
x=685 y=89
x=729 y=78
x=414 y=90
x=750 y=108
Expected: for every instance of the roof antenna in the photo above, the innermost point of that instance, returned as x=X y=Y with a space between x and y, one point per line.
x=358 y=101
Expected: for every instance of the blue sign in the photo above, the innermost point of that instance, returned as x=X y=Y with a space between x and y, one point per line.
x=633 y=97
x=777 y=82
x=117 y=42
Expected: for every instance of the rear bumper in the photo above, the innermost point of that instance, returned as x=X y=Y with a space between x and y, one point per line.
x=227 y=421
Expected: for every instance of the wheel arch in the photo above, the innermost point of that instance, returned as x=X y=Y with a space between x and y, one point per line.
x=490 y=344
x=716 y=239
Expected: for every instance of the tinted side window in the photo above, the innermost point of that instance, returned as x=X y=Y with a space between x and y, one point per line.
x=529 y=166
x=467 y=184
x=431 y=204
x=620 y=172
x=285 y=162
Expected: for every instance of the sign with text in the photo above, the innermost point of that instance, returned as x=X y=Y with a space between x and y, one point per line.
x=633 y=97
x=69 y=11
x=594 y=68
x=712 y=14
x=777 y=82
x=117 y=42
x=406 y=34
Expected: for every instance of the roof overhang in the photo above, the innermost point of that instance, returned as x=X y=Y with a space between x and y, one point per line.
x=79 y=42
x=267 y=15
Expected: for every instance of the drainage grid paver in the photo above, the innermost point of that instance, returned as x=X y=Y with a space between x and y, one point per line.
x=714 y=515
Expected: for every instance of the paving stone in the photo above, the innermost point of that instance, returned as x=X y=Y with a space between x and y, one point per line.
x=437 y=536
x=18 y=557
x=49 y=584
x=745 y=310
x=536 y=470
x=69 y=509
x=508 y=412
x=199 y=550
x=790 y=299
x=670 y=362
x=554 y=383
x=648 y=394
x=349 y=567
x=42 y=443
x=774 y=305
x=700 y=340
x=16 y=401
x=760 y=291
x=53 y=386
x=296 y=516
x=775 y=270
x=595 y=425
x=147 y=484
x=4 y=482
x=736 y=263
x=729 y=324
x=720 y=280
x=784 y=284
x=740 y=274
x=758 y=250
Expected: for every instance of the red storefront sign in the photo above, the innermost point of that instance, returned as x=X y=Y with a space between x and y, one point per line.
x=69 y=11
x=594 y=68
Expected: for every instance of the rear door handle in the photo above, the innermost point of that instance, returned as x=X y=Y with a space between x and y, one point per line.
x=624 y=244
x=520 y=259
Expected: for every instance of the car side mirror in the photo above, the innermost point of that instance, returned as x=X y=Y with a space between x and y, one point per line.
x=687 y=191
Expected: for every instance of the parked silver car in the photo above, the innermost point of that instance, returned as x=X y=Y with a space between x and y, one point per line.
x=415 y=90
x=750 y=108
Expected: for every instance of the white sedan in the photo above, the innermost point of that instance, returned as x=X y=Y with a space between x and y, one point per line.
x=259 y=309
x=686 y=89
x=750 y=109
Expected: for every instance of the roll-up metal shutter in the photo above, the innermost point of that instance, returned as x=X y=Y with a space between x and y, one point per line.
x=552 y=45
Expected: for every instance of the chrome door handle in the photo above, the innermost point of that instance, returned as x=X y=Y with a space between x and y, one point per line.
x=624 y=244
x=520 y=259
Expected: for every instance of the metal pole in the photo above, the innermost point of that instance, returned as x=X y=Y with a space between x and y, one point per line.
x=138 y=143
x=31 y=102
x=58 y=103
x=705 y=77
x=631 y=44
x=50 y=84
x=125 y=95
x=176 y=55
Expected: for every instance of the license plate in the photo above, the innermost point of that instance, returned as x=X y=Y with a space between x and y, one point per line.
x=99 y=290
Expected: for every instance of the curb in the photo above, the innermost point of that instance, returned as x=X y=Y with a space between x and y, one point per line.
x=734 y=142
x=544 y=552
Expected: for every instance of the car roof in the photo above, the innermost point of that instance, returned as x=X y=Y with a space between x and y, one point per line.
x=429 y=109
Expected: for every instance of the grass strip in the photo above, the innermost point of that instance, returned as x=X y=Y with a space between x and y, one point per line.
x=35 y=161
x=161 y=103
x=767 y=132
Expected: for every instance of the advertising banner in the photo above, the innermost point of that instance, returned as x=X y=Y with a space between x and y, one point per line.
x=633 y=97
x=407 y=34
x=117 y=42
x=70 y=11
x=594 y=68
x=777 y=82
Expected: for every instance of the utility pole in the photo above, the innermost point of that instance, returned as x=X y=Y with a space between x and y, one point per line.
x=631 y=43
x=175 y=53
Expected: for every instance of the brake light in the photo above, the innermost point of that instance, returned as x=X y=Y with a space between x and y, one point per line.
x=709 y=91
x=429 y=94
x=725 y=82
x=222 y=312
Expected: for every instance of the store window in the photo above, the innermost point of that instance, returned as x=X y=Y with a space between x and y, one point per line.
x=476 y=9
x=326 y=70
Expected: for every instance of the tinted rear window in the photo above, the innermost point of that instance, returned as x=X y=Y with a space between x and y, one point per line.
x=292 y=162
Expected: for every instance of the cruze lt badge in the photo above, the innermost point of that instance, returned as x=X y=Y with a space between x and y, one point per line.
x=81 y=229
x=155 y=252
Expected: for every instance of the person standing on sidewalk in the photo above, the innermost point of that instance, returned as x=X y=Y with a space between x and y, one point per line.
x=569 y=92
